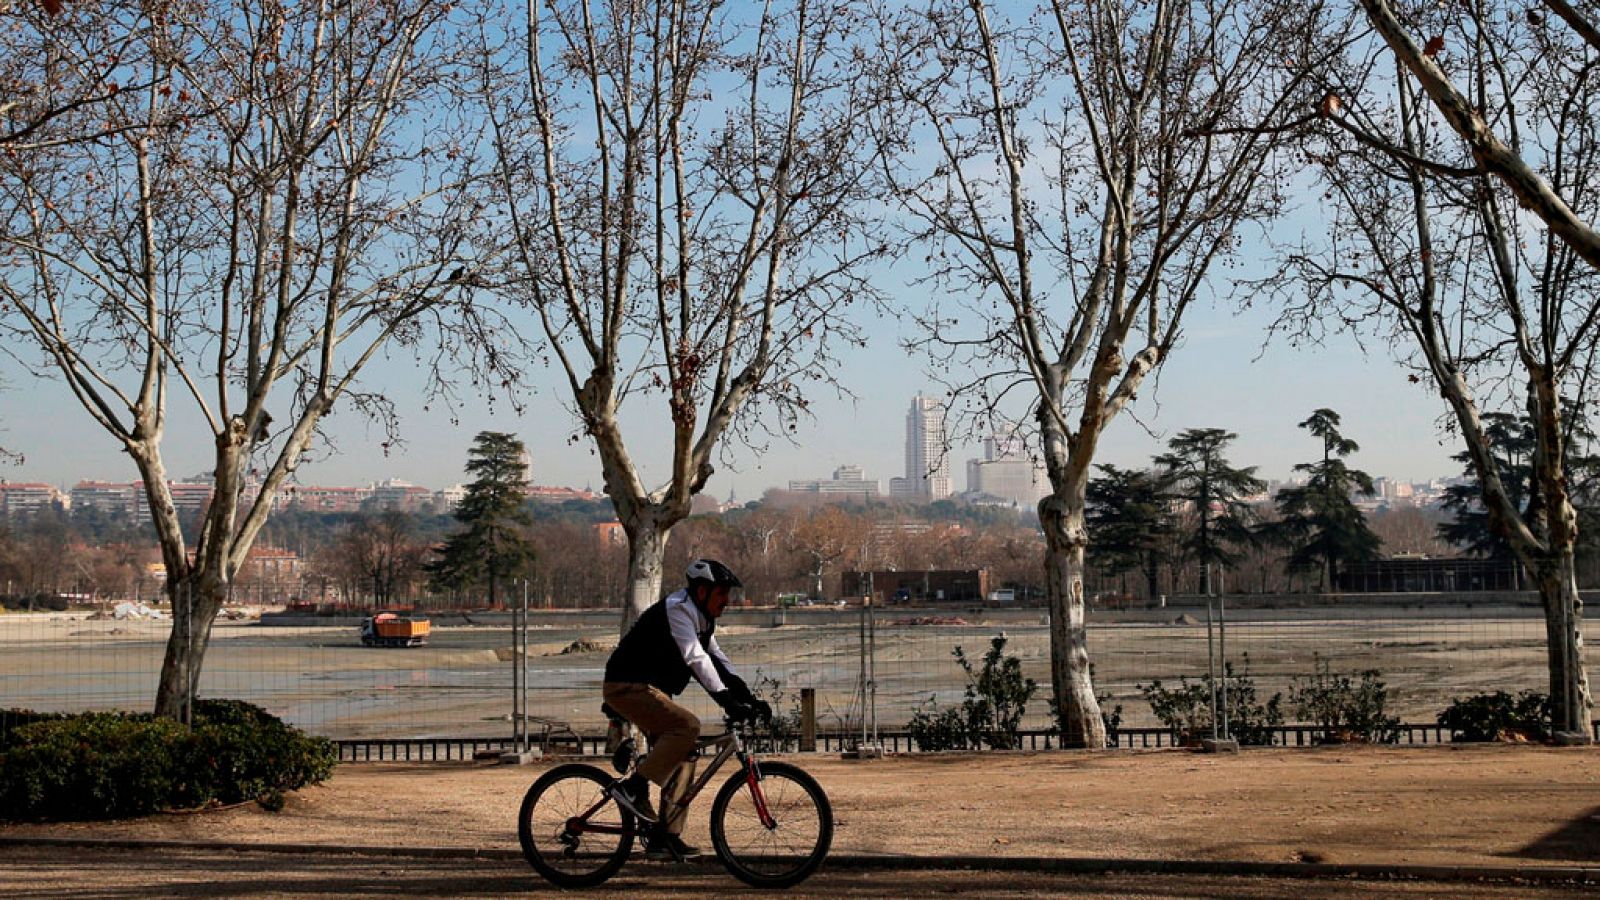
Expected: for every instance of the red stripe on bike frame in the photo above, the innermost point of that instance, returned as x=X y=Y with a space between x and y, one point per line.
x=755 y=792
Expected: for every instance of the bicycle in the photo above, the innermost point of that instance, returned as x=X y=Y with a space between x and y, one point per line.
x=771 y=823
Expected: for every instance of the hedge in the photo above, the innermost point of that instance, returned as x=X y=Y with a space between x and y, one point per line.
x=116 y=765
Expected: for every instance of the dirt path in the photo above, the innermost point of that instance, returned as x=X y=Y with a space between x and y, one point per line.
x=1496 y=805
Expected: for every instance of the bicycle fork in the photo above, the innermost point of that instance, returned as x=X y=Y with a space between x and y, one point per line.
x=752 y=777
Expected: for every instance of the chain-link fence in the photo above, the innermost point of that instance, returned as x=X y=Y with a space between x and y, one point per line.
x=316 y=673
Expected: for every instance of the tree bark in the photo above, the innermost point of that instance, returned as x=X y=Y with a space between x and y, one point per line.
x=647 y=547
x=1061 y=515
x=1570 y=701
x=195 y=603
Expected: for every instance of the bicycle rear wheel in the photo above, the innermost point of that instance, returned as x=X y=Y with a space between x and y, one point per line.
x=784 y=850
x=574 y=857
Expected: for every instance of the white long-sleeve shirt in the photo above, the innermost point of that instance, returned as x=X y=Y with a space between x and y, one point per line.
x=687 y=623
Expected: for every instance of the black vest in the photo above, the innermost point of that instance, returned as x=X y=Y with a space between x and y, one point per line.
x=647 y=654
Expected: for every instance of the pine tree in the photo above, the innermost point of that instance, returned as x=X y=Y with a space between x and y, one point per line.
x=1512 y=445
x=493 y=545
x=1130 y=521
x=1318 y=522
x=1201 y=475
x=1511 y=439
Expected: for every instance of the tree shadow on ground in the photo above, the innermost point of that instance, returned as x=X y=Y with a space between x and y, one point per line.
x=60 y=873
x=1576 y=841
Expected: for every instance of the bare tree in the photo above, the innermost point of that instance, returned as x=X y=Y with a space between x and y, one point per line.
x=282 y=198
x=682 y=184
x=1474 y=263
x=823 y=538
x=385 y=552
x=1091 y=167
x=1495 y=44
x=46 y=87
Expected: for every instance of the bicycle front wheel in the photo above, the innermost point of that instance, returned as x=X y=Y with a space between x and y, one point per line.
x=782 y=848
x=572 y=832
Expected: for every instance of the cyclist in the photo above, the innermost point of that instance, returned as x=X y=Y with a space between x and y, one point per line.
x=671 y=642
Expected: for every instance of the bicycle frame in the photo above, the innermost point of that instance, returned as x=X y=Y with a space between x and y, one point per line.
x=728 y=745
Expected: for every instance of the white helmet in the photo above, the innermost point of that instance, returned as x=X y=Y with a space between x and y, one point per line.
x=712 y=573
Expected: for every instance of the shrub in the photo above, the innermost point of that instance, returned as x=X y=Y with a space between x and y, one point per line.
x=1499 y=716
x=247 y=752
x=996 y=697
x=935 y=729
x=13 y=719
x=91 y=766
x=114 y=765
x=1186 y=709
x=1347 y=710
x=784 y=729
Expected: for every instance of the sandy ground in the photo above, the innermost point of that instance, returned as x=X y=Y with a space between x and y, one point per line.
x=1496 y=805
x=459 y=685
x=123 y=875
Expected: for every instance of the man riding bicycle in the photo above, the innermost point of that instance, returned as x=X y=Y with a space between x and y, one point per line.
x=670 y=642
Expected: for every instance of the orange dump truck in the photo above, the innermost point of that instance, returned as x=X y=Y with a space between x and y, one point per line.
x=391 y=630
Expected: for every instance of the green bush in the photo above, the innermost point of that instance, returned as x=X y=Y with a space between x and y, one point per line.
x=1499 y=716
x=996 y=696
x=784 y=729
x=13 y=719
x=113 y=765
x=933 y=728
x=1186 y=709
x=1347 y=710
x=90 y=766
x=991 y=711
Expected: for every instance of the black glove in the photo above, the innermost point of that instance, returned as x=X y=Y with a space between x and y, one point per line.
x=761 y=709
x=734 y=707
x=737 y=687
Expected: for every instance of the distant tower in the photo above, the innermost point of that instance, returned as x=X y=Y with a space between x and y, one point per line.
x=927 y=469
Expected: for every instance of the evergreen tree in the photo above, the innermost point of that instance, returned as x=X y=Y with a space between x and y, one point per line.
x=1512 y=445
x=1318 y=522
x=1199 y=474
x=1511 y=439
x=493 y=544
x=1130 y=521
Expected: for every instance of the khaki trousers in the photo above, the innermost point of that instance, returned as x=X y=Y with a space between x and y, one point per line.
x=672 y=731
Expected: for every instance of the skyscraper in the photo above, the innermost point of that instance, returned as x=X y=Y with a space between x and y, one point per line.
x=1007 y=470
x=927 y=469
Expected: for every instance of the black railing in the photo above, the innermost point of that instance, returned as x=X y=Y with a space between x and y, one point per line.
x=448 y=749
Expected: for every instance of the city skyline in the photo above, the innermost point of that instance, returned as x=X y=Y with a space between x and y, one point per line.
x=845 y=482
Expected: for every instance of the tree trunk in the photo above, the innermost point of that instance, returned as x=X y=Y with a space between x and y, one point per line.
x=647 y=546
x=195 y=604
x=1570 y=701
x=1066 y=536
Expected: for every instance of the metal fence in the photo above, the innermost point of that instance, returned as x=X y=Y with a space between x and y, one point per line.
x=315 y=673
